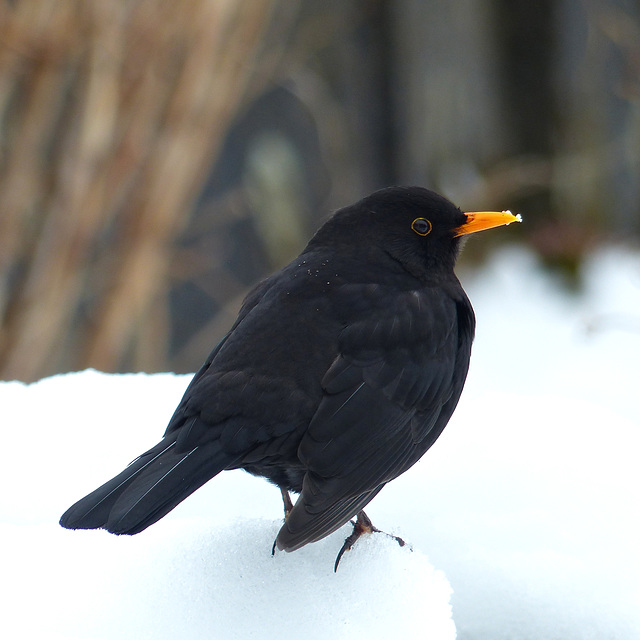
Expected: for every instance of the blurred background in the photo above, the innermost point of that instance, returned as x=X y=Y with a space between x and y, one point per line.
x=157 y=158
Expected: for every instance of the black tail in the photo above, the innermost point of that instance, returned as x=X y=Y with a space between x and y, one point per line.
x=315 y=516
x=147 y=489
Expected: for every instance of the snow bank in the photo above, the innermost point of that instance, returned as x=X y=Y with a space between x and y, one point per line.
x=205 y=571
x=527 y=503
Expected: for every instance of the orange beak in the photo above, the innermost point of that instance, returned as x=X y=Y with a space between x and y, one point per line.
x=481 y=220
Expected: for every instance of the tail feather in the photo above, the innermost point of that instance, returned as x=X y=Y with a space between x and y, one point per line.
x=163 y=486
x=309 y=522
x=150 y=487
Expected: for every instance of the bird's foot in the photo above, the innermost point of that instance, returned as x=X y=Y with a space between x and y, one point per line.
x=361 y=526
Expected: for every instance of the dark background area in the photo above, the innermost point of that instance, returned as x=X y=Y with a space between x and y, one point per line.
x=159 y=158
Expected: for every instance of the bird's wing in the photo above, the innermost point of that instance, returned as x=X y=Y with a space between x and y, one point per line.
x=202 y=381
x=251 y=389
x=388 y=395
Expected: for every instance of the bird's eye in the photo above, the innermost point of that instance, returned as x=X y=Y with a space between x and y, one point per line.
x=421 y=226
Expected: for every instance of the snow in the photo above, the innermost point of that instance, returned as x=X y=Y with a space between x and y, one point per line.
x=517 y=216
x=523 y=518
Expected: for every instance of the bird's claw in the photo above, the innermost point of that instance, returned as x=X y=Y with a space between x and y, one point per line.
x=361 y=526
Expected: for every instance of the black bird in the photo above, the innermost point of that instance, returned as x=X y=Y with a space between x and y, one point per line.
x=341 y=370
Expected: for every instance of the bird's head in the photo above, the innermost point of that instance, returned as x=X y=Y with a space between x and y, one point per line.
x=417 y=227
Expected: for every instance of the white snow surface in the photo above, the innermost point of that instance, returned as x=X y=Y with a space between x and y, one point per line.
x=528 y=503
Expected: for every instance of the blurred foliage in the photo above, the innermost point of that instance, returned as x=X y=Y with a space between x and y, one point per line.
x=158 y=158
x=111 y=113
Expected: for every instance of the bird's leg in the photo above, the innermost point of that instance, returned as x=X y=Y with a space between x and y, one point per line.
x=288 y=505
x=361 y=526
x=286 y=500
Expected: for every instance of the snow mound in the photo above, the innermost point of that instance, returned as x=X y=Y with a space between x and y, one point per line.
x=199 y=573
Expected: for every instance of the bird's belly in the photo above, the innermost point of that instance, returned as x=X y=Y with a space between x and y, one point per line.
x=287 y=476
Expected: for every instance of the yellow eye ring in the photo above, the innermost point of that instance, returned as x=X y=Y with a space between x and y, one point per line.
x=421 y=226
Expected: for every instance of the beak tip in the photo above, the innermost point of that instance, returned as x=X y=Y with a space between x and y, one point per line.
x=517 y=216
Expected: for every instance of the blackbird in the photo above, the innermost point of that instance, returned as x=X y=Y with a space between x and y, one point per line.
x=339 y=373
